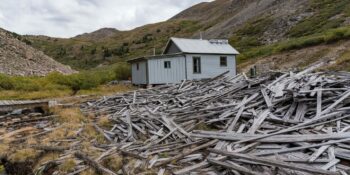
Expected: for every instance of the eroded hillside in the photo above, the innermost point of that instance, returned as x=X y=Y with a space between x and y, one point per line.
x=17 y=58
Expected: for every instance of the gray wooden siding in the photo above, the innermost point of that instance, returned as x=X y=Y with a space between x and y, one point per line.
x=172 y=48
x=210 y=66
x=159 y=75
x=139 y=76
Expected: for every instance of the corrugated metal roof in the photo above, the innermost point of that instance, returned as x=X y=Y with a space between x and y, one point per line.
x=204 y=46
x=195 y=46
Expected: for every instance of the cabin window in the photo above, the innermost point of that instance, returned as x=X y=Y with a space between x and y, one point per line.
x=167 y=64
x=223 y=61
x=197 y=65
x=137 y=66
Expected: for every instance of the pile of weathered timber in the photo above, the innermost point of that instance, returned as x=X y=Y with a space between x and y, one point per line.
x=18 y=114
x=283 y=123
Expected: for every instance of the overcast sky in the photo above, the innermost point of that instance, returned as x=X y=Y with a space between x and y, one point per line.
x=67 y=18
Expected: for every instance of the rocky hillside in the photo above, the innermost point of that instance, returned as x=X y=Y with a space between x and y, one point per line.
x=17 y=58
x=257 y=28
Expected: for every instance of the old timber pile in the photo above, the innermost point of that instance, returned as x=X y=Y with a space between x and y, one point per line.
x=283 y=123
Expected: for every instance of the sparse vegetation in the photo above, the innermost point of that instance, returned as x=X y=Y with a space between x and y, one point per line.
x=104 y=122
x=69 y=122
x=122 y=72
x=323 y=19
x=67 y=166
x=114 y=163
x=327 y=37
x=247 y=37
x=125 y=45
x=342 y=63
x=3 y=149
x=58 y=85
x=23 y=155
x=69 y=115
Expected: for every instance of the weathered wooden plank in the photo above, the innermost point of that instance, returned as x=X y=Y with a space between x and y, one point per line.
x=233 y=167
x=275 y=163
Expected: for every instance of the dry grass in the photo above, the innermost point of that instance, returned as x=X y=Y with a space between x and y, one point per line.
x=31 y=141
x=104 y=122
x=71 y=120
x=4 y=149
x=114 y=163
x=88 y=172
x=67 y=130
x=2 y=131
x=88 y=147
x=90 y=133
x=107 y=90
x=149 y=172
x=67 y=166
x=23 y=155
x=69 y=115
x=25 y=95
x=48 y=157
x=203 y=126
x=341 y=63
x=56 y=134
x=46 y=94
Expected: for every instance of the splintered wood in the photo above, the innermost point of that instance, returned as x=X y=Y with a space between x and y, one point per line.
x=282 y=123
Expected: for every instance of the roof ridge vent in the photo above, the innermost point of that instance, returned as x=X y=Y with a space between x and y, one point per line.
x=218 y=41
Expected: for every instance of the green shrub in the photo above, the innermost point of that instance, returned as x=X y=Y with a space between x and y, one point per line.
x=19 y=83
x=6 y=82
x=321 y=20
x=299 y=43
x=84 y=80
x=122 y=71
x=337 y=34
x=244 y=43
x=327 y=37
x=57 y=78
x=76 y=82
x=256 y=27
x=26 y=84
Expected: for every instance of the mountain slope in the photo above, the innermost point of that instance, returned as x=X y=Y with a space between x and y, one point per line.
x=84 y=53
x=227 y=16
x=98 y=34
x=17 y=58
x=337 y=55
x=252 y=26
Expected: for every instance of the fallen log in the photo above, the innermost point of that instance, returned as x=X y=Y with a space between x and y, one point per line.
x=92 y=163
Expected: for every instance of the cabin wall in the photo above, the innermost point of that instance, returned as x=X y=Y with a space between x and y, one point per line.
x=158 y=74
x=139 y=76
x=210 y=66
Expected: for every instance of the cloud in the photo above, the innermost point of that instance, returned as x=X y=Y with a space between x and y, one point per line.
x=67 y=18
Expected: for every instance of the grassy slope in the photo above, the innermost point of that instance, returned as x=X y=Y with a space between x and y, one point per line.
x=323 y=27
x=85 y=54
